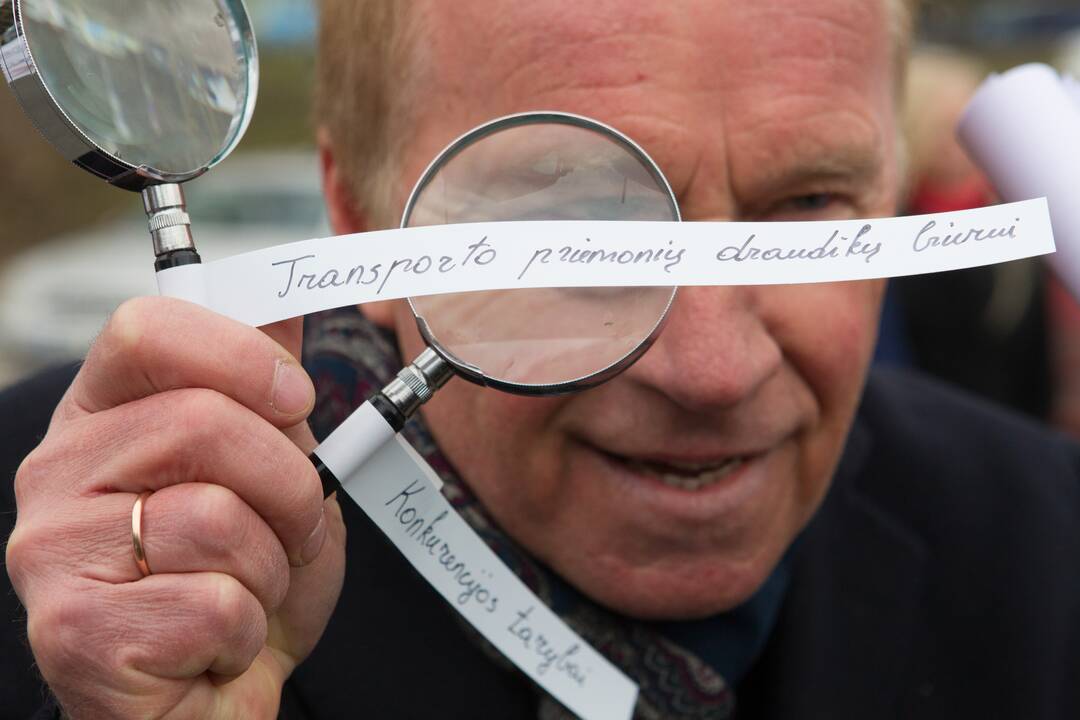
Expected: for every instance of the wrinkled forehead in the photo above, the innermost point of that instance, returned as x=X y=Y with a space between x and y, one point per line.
x=746 y=74
x=513 y=49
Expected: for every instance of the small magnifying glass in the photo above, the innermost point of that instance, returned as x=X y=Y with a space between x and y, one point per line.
x=146 y=95
x=540 y=342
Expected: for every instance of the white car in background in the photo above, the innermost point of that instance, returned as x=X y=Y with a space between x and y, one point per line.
x=55 y=298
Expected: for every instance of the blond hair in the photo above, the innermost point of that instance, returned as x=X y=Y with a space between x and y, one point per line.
x=944 y=79
x=367 y=52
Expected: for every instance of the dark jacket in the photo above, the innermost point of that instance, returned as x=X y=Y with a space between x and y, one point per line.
x=939 y=580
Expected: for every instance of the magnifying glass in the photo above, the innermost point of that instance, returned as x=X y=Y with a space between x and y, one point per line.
x=541 y=342
x=146 y=95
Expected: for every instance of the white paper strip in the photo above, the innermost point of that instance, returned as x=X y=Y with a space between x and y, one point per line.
x=305 y=277
x=362 y=433
x=186 y=282
x=395 y=489
x=1023 y=129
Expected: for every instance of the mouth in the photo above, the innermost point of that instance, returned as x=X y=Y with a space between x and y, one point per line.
x=682 y=475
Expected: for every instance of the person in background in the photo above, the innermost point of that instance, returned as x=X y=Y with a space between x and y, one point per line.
x=984 y=329
x=1008 y=332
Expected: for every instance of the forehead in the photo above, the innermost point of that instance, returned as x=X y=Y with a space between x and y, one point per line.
x=727 y=82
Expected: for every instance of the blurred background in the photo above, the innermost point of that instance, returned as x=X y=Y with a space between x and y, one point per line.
x=72 y=248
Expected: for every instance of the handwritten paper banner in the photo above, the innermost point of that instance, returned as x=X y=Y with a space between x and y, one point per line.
x=286 y=281
x=395 y=489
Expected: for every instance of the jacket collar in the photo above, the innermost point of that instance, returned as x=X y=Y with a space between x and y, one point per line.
x=843 y=644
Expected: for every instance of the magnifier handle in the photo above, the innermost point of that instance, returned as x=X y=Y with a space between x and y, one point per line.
x=183 y=281
x=370 y=426
x=178 y=265
x=379 y=419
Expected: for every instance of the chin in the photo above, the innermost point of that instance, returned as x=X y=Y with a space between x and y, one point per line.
x=651 y=546
x=674 y=591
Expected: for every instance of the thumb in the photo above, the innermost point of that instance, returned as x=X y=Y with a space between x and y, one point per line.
x=290 y=335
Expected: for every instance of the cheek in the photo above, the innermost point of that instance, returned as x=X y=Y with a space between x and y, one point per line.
x=508 y=449
x=827 y=335
x=827 y=332
x=511 y=450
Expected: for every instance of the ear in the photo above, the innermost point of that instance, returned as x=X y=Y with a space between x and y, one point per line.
x=344 y=215
x=347 y=218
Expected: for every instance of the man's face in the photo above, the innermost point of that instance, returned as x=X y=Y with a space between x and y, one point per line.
x=673 y=490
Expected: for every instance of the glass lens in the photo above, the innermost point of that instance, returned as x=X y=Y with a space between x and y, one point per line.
x=161 y=83
x=550 y=170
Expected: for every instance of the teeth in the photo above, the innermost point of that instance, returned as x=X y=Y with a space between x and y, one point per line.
x=703 y=475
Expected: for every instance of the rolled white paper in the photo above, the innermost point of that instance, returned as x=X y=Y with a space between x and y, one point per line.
x=1023 y=129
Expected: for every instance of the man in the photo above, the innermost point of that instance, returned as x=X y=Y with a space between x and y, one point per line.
x=693 y=506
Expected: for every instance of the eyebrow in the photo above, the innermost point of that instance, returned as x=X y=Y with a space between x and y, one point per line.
x=851 y=161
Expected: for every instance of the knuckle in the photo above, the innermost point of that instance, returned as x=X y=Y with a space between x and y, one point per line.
x=218 y=618
x=47 y=469
x=32 y=552
x=230 y=611
x=215 y=514
x=230 y=535
x=27 y=476
x=17 y=558
x=210 y=403
x=59 y=632
x=219 y=521
x=203 y=416
x=128 y=327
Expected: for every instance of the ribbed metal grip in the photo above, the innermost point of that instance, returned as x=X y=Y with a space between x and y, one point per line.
x=417 y=383
x=168 y=218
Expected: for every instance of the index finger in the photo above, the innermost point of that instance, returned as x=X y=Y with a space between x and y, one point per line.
x=155 y=344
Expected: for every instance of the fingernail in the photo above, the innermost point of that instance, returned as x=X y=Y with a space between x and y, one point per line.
x=315 y=541
x=293 y=391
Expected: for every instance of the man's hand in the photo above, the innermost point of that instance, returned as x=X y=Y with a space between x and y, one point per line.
x=247 y=560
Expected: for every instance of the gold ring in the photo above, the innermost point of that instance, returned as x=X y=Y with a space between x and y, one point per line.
x=136 y=534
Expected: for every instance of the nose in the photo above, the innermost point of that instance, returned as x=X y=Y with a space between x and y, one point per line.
x=715 y=352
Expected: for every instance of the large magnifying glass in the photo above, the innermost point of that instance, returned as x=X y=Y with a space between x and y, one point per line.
x=146 y=95
x=549 y=341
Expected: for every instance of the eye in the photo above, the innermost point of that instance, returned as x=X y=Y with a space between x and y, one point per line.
x=812 y=206
x=811 y=202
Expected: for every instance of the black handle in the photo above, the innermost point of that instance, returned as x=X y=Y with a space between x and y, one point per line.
x=393 y=417
x=330 y=483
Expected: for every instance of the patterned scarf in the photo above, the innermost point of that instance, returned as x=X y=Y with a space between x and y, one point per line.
x=677 y=666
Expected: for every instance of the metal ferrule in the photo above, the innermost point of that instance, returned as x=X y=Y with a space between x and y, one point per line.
x=417 y=382
x=169 y=223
